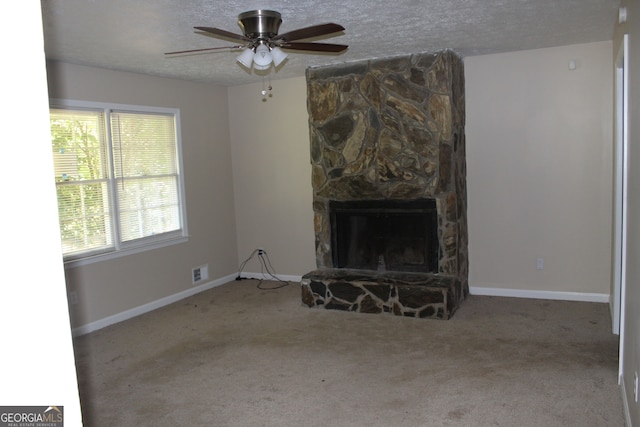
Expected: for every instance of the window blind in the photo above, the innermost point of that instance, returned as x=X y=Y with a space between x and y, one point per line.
x=145 y=165
x=117 y=178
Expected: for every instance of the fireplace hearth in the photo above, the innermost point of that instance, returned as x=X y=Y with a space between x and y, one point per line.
x=389 y=186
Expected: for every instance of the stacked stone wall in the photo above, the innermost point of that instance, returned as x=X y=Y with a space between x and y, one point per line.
x=391 y=129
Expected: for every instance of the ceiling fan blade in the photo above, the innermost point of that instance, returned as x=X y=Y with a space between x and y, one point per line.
x=318 y=47
x=203 y=50
x=223 y=33
x=308 y=32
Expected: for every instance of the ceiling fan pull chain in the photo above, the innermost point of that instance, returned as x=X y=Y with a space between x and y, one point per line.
x=266 y=91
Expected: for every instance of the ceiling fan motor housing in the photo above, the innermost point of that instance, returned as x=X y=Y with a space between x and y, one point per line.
x=260 y=24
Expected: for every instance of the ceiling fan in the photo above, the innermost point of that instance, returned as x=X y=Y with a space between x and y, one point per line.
x=261 y=43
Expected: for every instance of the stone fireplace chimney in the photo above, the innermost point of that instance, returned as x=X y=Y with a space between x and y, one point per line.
x=386 y=135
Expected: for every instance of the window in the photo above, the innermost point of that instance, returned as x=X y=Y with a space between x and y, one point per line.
x=118 y=178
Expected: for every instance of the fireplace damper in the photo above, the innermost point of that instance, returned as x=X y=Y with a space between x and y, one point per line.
x=385 y=235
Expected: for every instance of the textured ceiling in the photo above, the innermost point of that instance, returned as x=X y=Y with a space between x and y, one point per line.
x=132 y=35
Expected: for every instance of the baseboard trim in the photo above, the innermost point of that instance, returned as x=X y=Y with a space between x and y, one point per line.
x=145 y=308
x=474 y=290
x=551 y=295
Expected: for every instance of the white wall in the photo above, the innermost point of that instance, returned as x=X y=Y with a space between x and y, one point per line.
x=630 y=335
x=539 y=159
x=272 y=175
x=37 y=356
x=110 y=288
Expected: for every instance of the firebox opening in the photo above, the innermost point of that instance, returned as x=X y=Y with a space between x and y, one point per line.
x=393 y=235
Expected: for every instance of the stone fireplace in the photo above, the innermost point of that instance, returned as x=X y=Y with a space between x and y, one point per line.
x=389 y=186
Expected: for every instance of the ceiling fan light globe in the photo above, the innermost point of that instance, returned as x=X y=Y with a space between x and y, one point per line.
x=245 y=58
x=278 y=56
x=261 y=67
x=262 y=58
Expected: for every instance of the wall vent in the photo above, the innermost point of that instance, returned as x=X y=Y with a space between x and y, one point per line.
x=198 y=274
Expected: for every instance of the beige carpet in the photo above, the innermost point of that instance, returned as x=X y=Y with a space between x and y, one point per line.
x=240 y=356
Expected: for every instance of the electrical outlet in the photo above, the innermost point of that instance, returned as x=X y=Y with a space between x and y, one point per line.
x=539 y=263
x=260 y=251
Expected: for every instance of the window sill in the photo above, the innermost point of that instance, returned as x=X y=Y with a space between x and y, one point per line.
x=124 y=252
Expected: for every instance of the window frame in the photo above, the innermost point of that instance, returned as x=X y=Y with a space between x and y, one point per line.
x=143 y=244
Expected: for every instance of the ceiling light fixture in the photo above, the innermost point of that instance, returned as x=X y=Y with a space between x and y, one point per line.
x=278 y=56
x=261 y=57
x=262 y=45
x=246 y=57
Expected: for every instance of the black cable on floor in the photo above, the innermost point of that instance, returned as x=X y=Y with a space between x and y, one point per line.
x=265 y=266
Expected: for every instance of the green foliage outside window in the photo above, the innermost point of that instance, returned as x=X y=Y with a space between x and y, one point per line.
x=129 y=182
